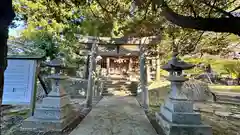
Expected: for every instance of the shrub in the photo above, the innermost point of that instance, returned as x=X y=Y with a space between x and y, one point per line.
x=233 y=69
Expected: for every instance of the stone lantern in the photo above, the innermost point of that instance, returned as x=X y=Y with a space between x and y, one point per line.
x=176 y=116
x=55 y=112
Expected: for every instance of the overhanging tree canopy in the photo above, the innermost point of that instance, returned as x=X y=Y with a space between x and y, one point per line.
x=229 y=24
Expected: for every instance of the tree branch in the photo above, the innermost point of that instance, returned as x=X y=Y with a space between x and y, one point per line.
x=103 y=8
x=235 y=9
x=231 y=25
x=93 y=12
x=210 y=11
x=192 y=8
x=218 y=9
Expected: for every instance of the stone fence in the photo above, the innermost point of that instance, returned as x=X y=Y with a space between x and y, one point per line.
x=74 y=86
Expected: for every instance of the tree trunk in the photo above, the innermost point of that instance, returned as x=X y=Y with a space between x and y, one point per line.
x=3 y=57
x=6 y=16
x=1 y=85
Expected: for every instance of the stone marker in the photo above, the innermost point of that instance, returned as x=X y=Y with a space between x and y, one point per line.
x=176 y=116
x=55 y=112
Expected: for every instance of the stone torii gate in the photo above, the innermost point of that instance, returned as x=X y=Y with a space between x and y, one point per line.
x=141 y=42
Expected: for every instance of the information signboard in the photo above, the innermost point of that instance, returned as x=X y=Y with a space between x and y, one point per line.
x=19 y=82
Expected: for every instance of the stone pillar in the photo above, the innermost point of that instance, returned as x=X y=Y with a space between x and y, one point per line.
x=108 y=65
x=148 y=71
x=130 y=64
x=158 y=68
x=87 y=67
x=176 y=116
x=90 y=76
x=96 y=95
x=143 y=79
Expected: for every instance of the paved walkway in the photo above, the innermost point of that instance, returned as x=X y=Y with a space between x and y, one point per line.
x=115 y=116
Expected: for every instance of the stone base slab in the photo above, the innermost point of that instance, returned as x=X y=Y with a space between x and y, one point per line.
x=45 y=125
x=53 y=113
x=170 y=128
x=181 y=117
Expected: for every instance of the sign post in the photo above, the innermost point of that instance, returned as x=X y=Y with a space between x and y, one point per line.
x=21 y=80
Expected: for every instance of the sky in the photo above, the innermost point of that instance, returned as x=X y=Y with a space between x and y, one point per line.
x=16 y=31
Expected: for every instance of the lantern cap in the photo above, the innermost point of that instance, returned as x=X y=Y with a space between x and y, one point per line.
x=176 y=64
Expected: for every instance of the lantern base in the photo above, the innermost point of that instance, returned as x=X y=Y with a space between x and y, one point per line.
x=177 y=117
x=54 y=113
x=170 y=128
x=35 y=124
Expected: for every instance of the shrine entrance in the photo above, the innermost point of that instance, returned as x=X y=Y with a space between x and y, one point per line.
x=104 y=51
x=120 y=65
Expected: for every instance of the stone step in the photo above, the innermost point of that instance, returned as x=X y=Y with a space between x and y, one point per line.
x=118 y=81
x=111 y=94
x=107 y=94
x=116 y=86
x=112 y=90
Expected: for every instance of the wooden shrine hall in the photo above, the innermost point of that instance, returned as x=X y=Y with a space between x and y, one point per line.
x=119 y=56
x=120 y=60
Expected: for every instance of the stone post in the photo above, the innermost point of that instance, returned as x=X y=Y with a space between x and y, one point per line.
x=130 y=68
x=143 y=79
x=130 y=64
x=176 y=116
x=87 y=67
x=148 y=71
x=96 y=96
x=108 y=65
x=92 y=67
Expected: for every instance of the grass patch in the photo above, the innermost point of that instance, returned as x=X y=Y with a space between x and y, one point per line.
x=225 y=88
x=218 y=65
x=158 y=84
x=162 y=83
x=24 y=113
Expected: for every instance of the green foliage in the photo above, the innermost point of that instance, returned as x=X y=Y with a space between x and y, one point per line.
x=233 y=69
x=218 y=65
x=45 y=41
x=113 y=18
x=23 y=49
x=215 y=45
